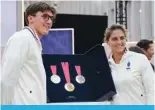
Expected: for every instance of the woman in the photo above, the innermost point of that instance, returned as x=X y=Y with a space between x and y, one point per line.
x=131 y=72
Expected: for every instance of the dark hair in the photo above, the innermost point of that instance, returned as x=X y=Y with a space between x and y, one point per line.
x=36 y=7
x=144 y=43
x=136 y=49
x=108 y=31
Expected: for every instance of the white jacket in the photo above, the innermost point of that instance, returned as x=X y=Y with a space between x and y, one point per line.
x=23 y=75
x=133 y=79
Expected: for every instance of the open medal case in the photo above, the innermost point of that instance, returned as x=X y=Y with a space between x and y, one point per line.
x=97 y=83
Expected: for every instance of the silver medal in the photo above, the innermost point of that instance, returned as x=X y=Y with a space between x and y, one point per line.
x=69 y=87
x=80 y=79
x=55 y=79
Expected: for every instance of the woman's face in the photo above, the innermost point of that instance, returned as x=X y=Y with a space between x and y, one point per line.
x=117 y=41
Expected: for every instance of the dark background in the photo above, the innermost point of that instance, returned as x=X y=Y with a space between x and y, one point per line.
x=88 y=29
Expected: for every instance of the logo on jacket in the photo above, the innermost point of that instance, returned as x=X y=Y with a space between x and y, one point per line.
x=128 y=66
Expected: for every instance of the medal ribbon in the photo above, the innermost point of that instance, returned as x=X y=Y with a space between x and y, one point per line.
x=65 y=67
x=78 y=69
x=53 y=69
x=32 y=32
x=34 y=35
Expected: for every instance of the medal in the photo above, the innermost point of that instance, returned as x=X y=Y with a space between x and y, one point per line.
x=54 y=78
x=79 y=78
x=68 y=86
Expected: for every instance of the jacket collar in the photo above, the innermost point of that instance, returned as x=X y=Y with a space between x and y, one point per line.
x=124 y=57
x=33 y=32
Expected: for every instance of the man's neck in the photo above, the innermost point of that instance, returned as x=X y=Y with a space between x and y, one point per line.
x=32 y=27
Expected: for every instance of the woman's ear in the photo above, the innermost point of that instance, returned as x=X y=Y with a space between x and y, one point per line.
x=106 y=41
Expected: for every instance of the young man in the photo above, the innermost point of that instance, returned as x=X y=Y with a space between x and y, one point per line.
x=147 y=47
x=23 y=76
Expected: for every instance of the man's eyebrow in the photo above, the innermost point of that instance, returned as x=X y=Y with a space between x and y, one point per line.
x=46 y=13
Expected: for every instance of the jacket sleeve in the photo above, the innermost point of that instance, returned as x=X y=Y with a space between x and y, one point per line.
x=148 y=79
x=13 y=58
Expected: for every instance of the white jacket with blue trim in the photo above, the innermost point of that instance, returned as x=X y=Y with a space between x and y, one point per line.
x=134 y=79
x=23 y=78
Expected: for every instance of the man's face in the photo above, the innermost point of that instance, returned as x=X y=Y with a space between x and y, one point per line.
x=42 y=22
x=150 y=52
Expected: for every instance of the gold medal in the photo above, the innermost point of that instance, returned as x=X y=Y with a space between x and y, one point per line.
x=69 y=87
x=55 y=79
x=80 y=79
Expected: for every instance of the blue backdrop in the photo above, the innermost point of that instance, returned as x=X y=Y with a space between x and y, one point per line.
x=58 y=41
